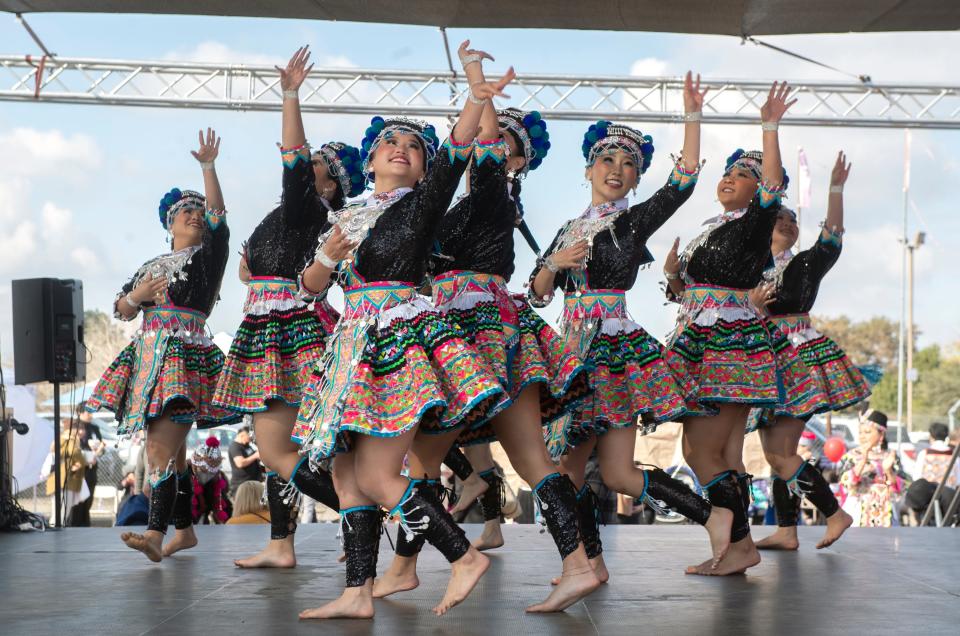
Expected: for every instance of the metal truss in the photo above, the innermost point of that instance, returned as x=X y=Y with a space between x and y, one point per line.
x=425 y=94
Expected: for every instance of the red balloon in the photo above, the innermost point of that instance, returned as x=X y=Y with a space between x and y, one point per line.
x=834 y=449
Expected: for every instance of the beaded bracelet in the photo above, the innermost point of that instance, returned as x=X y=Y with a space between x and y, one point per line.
x=769 y=126
x=693 y=116
x=291 y=95
x=466 y=60
x=325 y=260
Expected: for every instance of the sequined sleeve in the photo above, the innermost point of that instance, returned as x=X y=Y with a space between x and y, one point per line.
x=815 y=262
x=299 y=200
x=647 y=217
x=488 y=175
x=126 y=289
x=558 y=280
x=209 y=264
x=436 y=191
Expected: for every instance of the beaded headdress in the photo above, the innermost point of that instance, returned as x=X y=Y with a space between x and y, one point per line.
x=176 y=200
x=752 y=162
x=345 y=165
x=530 y=131
x=605 y=137
x=381 y=129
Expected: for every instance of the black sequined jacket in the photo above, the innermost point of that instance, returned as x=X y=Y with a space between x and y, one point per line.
x=798 y=282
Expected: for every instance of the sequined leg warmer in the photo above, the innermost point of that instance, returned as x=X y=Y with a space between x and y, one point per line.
x=458 y=463
x=589 y=514
x=674 y=494
x=786 y=503
x=360 y=534
x=557 y=498
x=745 y=483
x=808 y=482
x=316 y=484
x=724 y=491
x=163 y=495
x=412 y=547
x=182 y=515
x=283 y=519
x=491 y=501
x=421 y=512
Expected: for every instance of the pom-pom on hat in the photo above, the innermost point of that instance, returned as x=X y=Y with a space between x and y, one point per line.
x=381 y=129
x=207 y=457
x=176 y=200
x=345 y=165
x=530 y=130
x=605 y=137
x=752 y=162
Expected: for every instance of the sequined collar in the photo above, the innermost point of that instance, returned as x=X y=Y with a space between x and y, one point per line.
x=170 y=266
x=710 y=224
x=778 y=266
x=356 y=219
x=594 y=220
x=604 y=209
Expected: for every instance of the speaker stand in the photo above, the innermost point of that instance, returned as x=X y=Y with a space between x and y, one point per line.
x=57 y=486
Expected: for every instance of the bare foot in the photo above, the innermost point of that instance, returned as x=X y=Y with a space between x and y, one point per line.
x=182 y=540
x=491 y=537
x=279 y=553
x=718 y=528
x=467 y=571
x=599 y=568
x=401 y=576
x=573 y=586
x=149 y=543
x=355 y=602
x=741 y=555
x=781 y=539
x=837 y=524
x=473 y=487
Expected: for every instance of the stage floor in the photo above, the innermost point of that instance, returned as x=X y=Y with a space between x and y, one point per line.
x=84 y=581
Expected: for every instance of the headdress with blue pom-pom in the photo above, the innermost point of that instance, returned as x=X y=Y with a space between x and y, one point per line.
x=752 y=162
x=605 y=137
x=176 y=200
x=530 y=130
x=381 y=129
x=345 y=165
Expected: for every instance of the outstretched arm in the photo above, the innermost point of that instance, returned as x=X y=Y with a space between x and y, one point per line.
x=833 y=226
x=479 y=94
x=771 y=113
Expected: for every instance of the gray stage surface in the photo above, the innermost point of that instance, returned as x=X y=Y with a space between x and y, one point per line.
x=84 y=581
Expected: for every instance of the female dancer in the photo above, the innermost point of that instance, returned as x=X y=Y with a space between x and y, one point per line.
x=869 y=476
x=540 y=377
x=787 y=297
x=720 y=342
x=394 y=365
x=281 y=338
x=595 y=258
x=164 y=379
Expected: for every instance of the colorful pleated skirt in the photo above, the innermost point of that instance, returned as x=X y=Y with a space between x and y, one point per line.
x=519 y=348
x=392 y=363
x=278 y=344
x=829 y=367
x=170 y=368
x=632 y=383
x=732 y=356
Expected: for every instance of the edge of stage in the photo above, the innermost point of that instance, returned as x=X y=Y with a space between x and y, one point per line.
x=876 y=581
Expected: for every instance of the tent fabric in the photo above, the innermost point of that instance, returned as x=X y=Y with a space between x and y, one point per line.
x=720 y=17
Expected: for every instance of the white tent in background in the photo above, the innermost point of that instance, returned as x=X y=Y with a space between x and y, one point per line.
x=31 y=449
x=223 y=340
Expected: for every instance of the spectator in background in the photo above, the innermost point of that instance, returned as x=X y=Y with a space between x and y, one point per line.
x=72 y=465
x=244 y=460
x=248 y=505
x=929 y=470
x=93 y=447
x=210 y=503
x=868 y=475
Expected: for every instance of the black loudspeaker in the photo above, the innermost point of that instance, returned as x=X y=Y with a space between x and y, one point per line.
x=48 y=330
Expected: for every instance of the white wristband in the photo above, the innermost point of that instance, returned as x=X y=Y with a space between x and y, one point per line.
x=130 y=302
x=769 y=126
x=291 y=94
x=836 y=189
x=693 y=116
x=473 y=99
x=466 y=60
x=206 y=166
x=325 y=260
x=549 y=263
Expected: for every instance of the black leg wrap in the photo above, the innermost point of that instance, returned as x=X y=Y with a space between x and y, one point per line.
x=491 y=502
x=412 y=547
x=458 y=463
x=677 y=496
x=182 y=517
x=361 y=543
x=817 y=490
x=558 y=504
x=786 y=503
x=316 y=484
x=283 y=521
x=163 y=494
x=588 y=513
x=745 y=482
x=725 y=492
x=421 y=512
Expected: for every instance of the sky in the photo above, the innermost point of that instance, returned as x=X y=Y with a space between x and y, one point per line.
x=79 y=185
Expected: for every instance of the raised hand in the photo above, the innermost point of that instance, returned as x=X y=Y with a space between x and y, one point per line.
x=692 y=95
x=296 y=71
x=841 y=170
x=672 y=263
x=776 y=105
x=487 y=90
x=469 y=56
x=209 y=147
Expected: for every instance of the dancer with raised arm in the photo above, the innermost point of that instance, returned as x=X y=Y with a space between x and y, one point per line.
x=721 y=344
x=394 y=366
x=595 y=259
x=283 y=333
x=164 y=380
x=787 y=297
